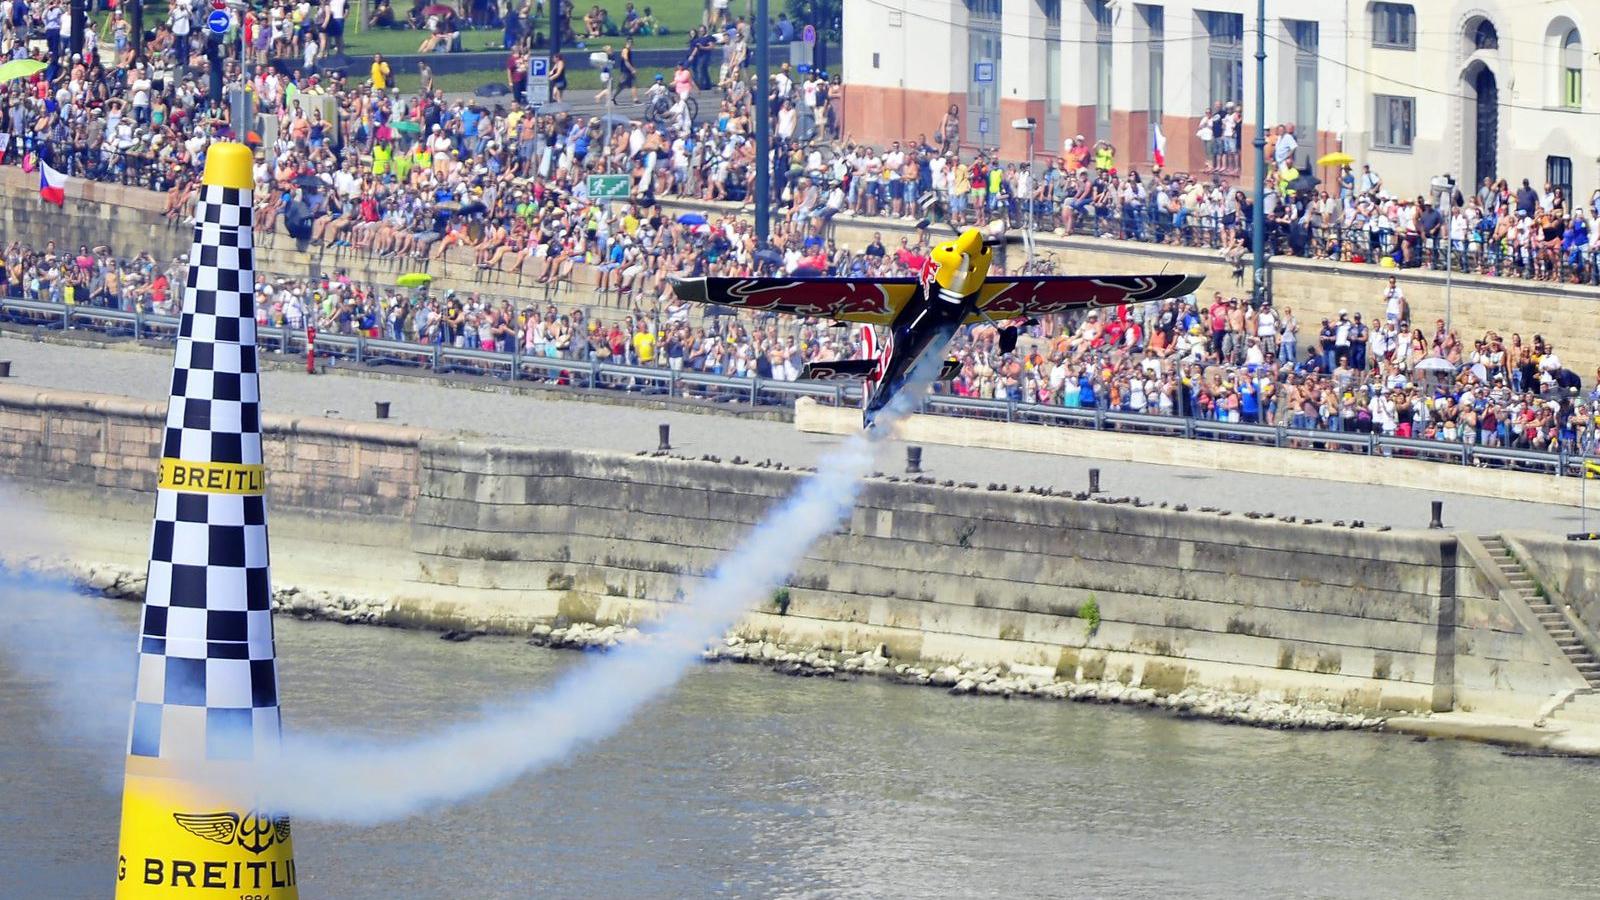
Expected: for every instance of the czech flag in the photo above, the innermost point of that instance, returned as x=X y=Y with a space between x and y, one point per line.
x=52 y=185
x=1158 y=146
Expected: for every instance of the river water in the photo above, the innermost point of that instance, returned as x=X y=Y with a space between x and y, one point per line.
x=748 y=783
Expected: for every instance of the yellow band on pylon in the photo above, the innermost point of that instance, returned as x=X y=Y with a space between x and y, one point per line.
x=210 y=477
x=179 y=841
x=229 y=164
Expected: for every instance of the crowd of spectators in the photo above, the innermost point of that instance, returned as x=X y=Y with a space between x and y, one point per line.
x=1217 y=359
x=355 y=165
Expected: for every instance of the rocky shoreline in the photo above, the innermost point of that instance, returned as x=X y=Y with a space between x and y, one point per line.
x=119 y=582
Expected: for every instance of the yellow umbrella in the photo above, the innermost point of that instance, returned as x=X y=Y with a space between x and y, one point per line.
x=413 y=279
x=1336 y=158
x=20 y=68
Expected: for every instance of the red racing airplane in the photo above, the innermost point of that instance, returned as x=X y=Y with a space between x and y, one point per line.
x=922 y=313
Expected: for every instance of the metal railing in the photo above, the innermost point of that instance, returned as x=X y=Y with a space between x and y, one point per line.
x=594 y=374
x=367 y=352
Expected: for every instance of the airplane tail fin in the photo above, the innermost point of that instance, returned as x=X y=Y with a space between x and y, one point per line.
x=869 y=342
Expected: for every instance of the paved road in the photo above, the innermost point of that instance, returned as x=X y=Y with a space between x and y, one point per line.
x=487 y=409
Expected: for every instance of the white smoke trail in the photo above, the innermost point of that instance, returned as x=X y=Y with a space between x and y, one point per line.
x=56 y=636
x=333 y=778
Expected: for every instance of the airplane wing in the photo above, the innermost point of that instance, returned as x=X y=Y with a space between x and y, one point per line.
x=1039 y=295
x=874 y=301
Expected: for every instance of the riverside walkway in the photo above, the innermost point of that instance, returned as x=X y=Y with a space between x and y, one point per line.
x=551 y=419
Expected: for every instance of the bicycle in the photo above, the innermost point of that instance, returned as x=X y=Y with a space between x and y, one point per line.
x=1043 y=264
x=659 y=110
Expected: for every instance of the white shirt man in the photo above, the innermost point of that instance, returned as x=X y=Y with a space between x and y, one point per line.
x=178 y=19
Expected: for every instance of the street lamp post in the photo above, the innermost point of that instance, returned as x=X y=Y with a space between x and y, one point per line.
x=1258 y=222
x=1444 y=188
x=1027 y=125
x=241 y=100
x=602 y=61
x=762 y=26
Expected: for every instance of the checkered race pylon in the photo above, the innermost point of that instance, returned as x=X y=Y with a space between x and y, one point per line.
x=207 y=680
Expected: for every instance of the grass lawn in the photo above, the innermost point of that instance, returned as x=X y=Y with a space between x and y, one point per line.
x=677 y=15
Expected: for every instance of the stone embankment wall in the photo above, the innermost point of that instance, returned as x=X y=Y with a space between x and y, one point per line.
x=130 y=219
x=454 y=533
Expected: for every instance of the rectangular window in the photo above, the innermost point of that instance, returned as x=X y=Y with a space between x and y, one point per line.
x=1155 y=23
x=984 y=9
x=1394 y=25
x=1558 y=171
x=1306 y=40
x=1052 y=90
x=1393 y=127
x=1052 y=12
x=983 y=97
x=1572 y=88
x=1102 y=82
x=1225 y=52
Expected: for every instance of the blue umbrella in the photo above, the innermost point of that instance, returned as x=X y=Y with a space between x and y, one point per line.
x=691 y=219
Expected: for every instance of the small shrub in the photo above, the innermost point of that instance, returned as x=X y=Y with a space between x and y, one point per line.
x=780 y=599
x=1089 y=612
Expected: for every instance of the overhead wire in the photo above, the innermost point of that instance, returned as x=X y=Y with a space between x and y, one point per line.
x=1278 y=39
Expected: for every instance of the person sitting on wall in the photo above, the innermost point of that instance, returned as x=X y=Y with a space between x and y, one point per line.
x=382 y=15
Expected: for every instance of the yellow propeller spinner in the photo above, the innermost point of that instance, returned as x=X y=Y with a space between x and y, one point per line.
x=963 y=263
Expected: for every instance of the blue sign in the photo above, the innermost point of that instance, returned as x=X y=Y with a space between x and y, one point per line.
x=218 y=21
x=983 y=124
x=983 y=71
x=539 y=67
x=809 y=34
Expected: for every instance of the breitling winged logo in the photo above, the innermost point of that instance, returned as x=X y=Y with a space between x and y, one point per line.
x=254 y=831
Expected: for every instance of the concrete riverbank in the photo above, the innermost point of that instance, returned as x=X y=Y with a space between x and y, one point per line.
x=403 y=526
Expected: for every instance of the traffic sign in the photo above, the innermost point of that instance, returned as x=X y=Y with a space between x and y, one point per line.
x=809 y=34
x=983 y=71
x=538 y=81
x=608 y=187
x=983 y=124
x=218 y=21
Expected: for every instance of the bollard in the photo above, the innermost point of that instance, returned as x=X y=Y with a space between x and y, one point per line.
x=913 y=460
x=1438 y=515
x=666 y=444
x=5 y=368
x=382 y=408
x=1094 y=481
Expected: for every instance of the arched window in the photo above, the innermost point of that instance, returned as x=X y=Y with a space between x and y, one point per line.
x=1484 y=37
x=1572 y=70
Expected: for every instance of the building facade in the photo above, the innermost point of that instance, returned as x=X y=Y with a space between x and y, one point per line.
x=1501 y=88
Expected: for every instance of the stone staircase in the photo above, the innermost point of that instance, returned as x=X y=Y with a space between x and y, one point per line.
x=1549 y=615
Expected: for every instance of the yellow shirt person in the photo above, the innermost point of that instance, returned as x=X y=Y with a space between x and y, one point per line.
x=380 y=72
